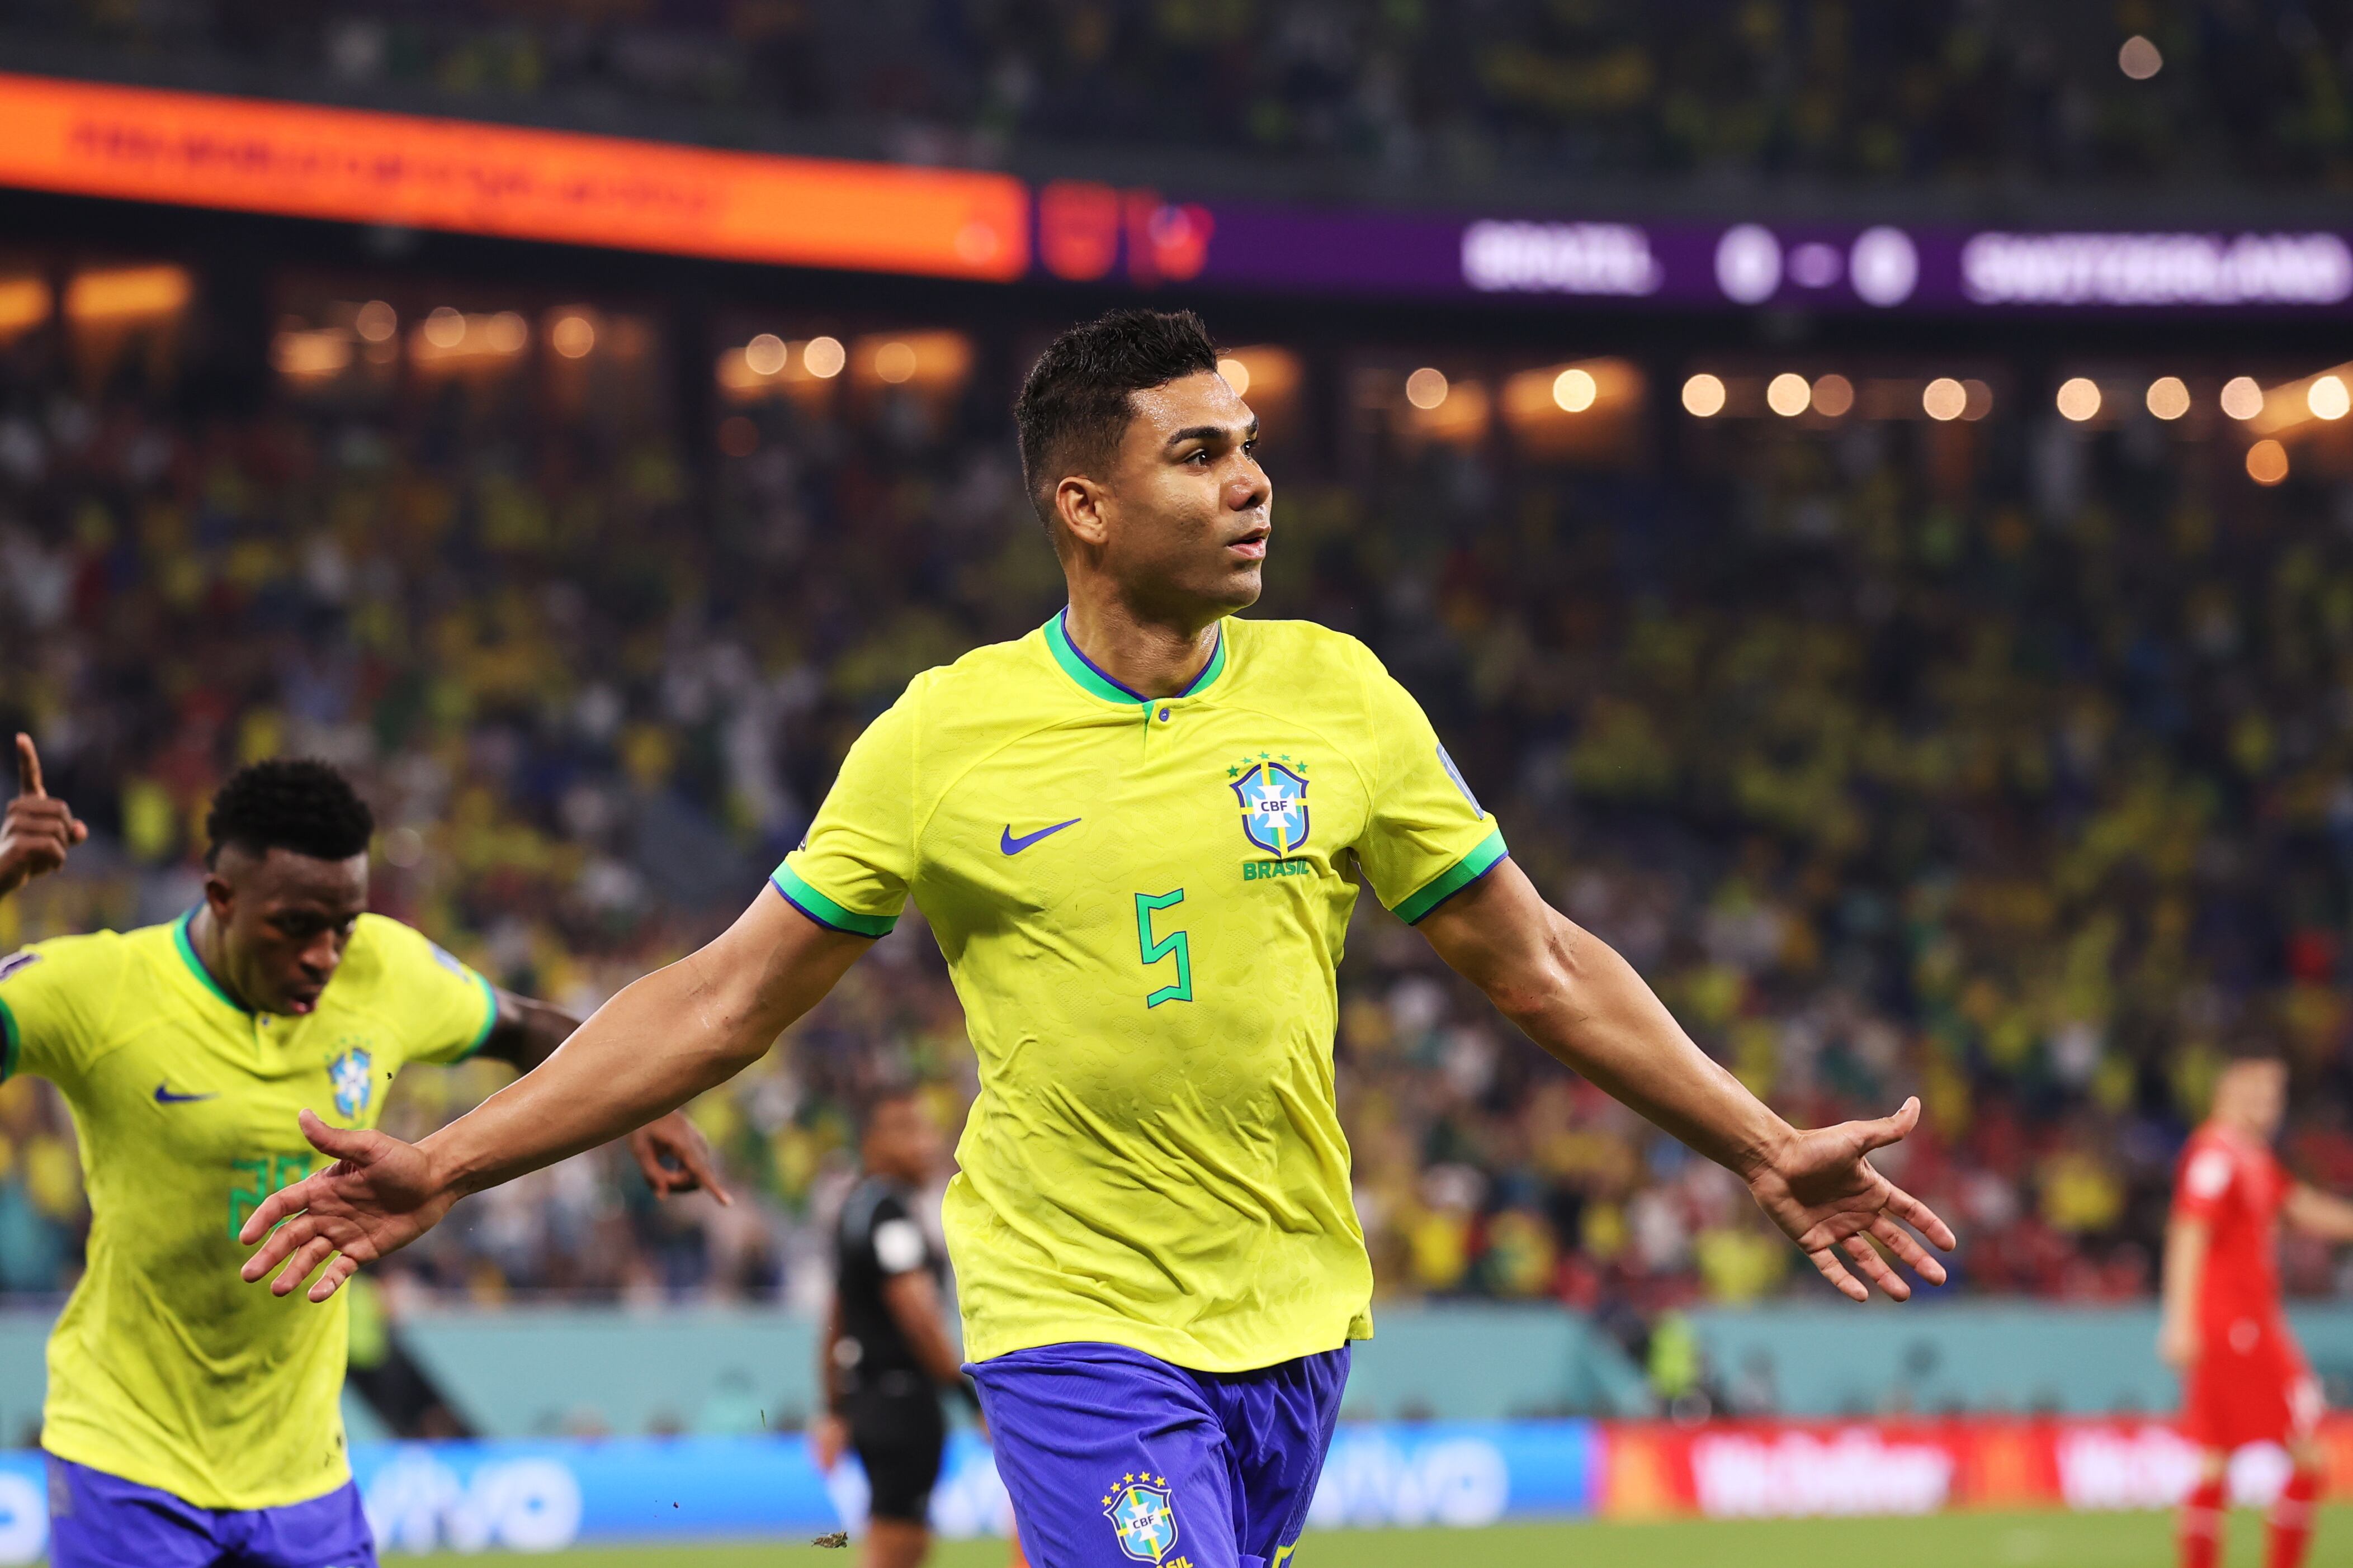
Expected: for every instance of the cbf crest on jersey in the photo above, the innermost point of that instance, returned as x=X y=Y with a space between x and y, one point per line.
x=1143 y=1518
x=355 y=1082
x=1274 y=795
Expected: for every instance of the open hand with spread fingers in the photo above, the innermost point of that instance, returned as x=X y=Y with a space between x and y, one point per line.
x=379 y=1196
x=36 y=831
x=1822 y=1189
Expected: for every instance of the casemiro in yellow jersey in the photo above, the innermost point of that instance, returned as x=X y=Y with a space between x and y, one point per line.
x=1142 y=904
x=164 y=1368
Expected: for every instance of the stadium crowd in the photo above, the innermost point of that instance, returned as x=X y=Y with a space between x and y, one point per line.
x=2004 y=762
x=1997 y=92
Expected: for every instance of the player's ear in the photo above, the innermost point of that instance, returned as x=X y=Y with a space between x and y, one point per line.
x=1080 y=504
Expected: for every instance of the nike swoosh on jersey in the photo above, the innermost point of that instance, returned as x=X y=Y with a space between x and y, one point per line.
x=164 y=1095
x=1013 y=845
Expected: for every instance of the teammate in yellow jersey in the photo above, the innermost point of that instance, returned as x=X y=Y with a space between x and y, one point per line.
x=189 y=1421
x=1137 y=834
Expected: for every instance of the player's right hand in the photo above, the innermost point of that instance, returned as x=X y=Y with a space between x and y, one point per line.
x=828 y=1439
x=379 y=1196
x=36 y=831
x=2177 y=1344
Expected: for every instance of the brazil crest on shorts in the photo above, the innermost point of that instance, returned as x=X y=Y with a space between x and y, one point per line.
x=1141 y=1515
x=1274 y=793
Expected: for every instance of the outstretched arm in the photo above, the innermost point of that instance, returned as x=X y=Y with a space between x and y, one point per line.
x=1573 y=994
x=36 y=831
x=2185 y=1271
x=670 y=1149
x=2319 y=1213
x=662 y=1041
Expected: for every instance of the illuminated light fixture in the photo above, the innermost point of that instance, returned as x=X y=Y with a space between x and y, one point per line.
x=445 y=327
x=573 y=336
x=1426 y=388
x=127 y=291
x=2168 y=399
x=2079 y=398
x=375 y=322
x=2140 y=59
x=1573 y=389
x=506 y=333
x=2328 y=398
x=1704 y=396
x=2267 y=462
x=311 y=355
x=1834 y=397
x=894 y=361
x=1978 y=400
x=824 y=357
x=765 y=355
x=1236 y=375
x=1944 y=399
x=23 y=303
x=2243 y=397
x=1788 y=395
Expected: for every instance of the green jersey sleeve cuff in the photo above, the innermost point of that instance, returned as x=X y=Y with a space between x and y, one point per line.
x=824 y=910
x=1444 y=885
x=490 y=1020
x=8 y=1039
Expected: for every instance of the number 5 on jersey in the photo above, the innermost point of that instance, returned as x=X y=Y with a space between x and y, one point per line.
x=1173 y=945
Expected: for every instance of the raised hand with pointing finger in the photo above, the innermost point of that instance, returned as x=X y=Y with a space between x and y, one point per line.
x=36 y=831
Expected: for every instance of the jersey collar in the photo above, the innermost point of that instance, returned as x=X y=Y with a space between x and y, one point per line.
x=1089 y=679
x=195 y=965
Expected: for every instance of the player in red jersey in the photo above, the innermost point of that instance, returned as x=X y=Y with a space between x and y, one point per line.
x=2244 y=1379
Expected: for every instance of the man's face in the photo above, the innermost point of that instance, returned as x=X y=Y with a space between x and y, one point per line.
x=2254 y=1096
x=902 y=1139
x=1186 y=509
x=285 y=919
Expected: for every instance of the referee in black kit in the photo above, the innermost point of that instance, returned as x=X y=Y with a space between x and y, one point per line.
x=886 y=1355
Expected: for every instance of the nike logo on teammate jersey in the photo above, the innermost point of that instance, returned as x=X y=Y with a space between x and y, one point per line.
x=164 y=1095
x=1013 y=845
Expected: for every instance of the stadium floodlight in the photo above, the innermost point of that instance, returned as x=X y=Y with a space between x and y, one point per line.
x=375 y=322
x=2327 y=397
x=894 y=361
x=765 y=355
x=1704 y=396
x=1426 y=388
x=1833 y=396
x=2140 y=59
x=2267 y=462
x=2168 y=397
x=506 y=333
x=1236 y=375
x=1788 y=395
x=573 y=336
x=1943 y=399
x=1573 y=389
x=2243 y=397
x=2079 y=398
x=824 y=358
x=445 y=327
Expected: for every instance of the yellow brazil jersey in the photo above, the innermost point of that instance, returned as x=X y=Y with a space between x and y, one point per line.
x=1143 y=905
x=165 y=1368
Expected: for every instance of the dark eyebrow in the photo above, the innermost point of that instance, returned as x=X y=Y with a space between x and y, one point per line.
x=1210 y=433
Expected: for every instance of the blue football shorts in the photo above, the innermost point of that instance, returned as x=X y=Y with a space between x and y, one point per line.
x=1112 y=1457
x=98 y=1520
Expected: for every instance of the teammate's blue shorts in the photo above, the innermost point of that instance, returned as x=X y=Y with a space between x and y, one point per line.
x=97 y=1521
x=1112 y=1457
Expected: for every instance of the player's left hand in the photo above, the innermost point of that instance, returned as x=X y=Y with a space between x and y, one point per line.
x=675 y=1159
x=1822 y=1189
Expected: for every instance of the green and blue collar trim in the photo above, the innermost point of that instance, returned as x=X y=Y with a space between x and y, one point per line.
x=195 y=965
x=1091 y=679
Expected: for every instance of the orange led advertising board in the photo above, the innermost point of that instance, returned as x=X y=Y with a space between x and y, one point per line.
x=301 y=161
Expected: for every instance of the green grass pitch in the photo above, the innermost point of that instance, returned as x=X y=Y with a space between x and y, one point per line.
x=1942 y=1540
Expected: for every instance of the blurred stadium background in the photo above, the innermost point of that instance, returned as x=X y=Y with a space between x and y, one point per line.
x=1865 y=492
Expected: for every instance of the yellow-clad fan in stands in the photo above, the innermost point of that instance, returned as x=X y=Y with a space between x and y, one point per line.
x=191 y=1423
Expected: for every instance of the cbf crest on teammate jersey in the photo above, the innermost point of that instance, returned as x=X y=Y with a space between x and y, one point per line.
x=1142 y=1517
x=353 y=1085
x=1274 y=793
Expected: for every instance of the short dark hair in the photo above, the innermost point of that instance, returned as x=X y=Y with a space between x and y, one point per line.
x=1075 y=406
x=2255 y=1045
x=290 y=803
